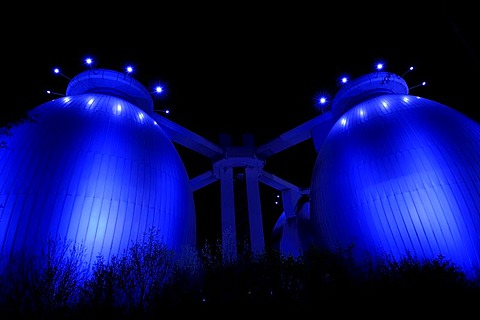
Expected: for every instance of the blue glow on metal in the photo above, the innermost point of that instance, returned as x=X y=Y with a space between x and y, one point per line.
x=398 y=175
x=94 y=168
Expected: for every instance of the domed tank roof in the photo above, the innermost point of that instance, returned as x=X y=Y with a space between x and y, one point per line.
x=93 y=167
x=112 y=83
x=367 y=87
x=397 y=175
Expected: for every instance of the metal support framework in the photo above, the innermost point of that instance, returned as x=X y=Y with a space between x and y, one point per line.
x=252 y=160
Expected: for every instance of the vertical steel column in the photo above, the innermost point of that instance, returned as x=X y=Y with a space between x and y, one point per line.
x=289 y=200
x=229 y=234
x=257 y=241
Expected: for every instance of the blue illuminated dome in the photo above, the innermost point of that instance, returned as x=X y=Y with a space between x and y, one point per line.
x=398 y=175
x=93 y=168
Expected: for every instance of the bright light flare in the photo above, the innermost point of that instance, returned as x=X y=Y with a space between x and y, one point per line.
x=418 y=85
x=409 y=69
x=89 y=62
x=57 y=71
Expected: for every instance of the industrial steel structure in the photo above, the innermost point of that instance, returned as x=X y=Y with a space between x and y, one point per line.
x=395 y=174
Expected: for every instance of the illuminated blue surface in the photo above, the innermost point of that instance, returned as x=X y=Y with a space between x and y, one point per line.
x=93 y=168
x=294 y=235
x=399 y=174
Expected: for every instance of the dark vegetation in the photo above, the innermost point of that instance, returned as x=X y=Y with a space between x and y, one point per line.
x=151 y=282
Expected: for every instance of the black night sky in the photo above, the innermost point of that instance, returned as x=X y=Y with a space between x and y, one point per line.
x=243 y=68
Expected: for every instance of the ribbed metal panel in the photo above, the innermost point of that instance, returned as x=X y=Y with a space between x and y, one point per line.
x=94 y=169
x=400 y=174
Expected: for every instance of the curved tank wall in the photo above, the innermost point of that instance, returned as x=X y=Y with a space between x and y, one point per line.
x=94 y=168
x=397 y=175
x=292 y=236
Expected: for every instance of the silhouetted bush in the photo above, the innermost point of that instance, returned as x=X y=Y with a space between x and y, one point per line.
x=47 y=284
x=149 y=279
